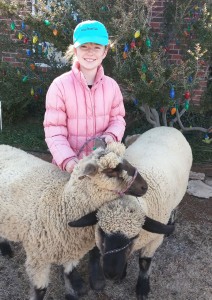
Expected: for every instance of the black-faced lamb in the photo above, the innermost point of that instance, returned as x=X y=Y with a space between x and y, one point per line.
x=38 y=200
x=164 y=158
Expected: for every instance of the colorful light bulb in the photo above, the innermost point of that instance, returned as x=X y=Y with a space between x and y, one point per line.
x=25 y=78
x=132 y=44
x=32 y=92
x=172 y=93
x=34 y=39
x=187 y=95
x=23 y=26
x=137 y=34
x=20 y=36
x=148 y=42
x=126 y=48
x=28 y=52
x=47 y=22
x=55 y=32
x=143 y=76
x=124 y=55
x=32 y=66
x=186 y=105
x=173 y=111
x=144 y=68
x=12 y=26
x=25 y=40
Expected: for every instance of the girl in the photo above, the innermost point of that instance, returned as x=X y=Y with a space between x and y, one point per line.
x=83 y=103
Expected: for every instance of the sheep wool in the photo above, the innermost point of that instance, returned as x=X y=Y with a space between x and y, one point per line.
x=163 y=157
x=121 y=215
x=38 y=200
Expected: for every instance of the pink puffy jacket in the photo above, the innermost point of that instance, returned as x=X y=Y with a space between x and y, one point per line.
x=75 y=113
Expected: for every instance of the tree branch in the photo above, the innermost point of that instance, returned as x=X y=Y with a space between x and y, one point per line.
x=190 y=128
x=146 y=110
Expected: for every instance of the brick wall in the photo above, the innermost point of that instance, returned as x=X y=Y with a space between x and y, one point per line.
x=16 y=57
x=157 y=19
x=174 y=50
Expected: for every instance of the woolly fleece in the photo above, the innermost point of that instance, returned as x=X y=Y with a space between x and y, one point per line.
x=164 y=158
x=38 y=200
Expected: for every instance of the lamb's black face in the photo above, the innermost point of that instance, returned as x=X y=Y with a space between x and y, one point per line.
x=115 y=249
x=138 y=186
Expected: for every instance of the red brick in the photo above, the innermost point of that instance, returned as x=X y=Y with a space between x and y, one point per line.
x=198 y=93
x=155 y=24
x=8 y=59
x=203 y=83
x=176 y=56
x=172 y=52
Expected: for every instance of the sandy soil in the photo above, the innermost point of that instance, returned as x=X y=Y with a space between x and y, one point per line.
x=181 y=270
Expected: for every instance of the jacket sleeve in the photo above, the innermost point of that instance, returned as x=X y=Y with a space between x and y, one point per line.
x=117 y=123
x=55 y=127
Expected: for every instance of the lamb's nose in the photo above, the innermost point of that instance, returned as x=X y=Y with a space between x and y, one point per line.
x=111 y=275
x=144 y=189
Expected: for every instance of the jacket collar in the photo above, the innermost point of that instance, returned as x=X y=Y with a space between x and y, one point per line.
x=80 y=77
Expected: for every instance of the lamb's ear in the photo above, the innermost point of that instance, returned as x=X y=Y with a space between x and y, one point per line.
x=90 y=170
x=87 y=220
x=157 y=227
x=113 y=172
x=100 y=143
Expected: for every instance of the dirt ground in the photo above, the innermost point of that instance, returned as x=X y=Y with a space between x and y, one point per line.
x=181 y=269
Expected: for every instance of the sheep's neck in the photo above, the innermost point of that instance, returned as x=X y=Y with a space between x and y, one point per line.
x=86 y=197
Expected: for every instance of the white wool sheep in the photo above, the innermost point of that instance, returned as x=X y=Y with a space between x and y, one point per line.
x=37 y=200
x=164 y=158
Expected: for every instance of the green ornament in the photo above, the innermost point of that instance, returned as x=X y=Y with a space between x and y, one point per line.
x=25 y=78
x=47 y=22
x=143 y=68
x=104 y=8
x=186 y=105
x=148 y=43
x=12 y=26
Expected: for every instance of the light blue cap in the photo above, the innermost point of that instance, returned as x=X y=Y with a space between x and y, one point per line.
x=90 y=32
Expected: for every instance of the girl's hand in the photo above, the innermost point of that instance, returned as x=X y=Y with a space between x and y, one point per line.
x=71 y=164
x=108 y=139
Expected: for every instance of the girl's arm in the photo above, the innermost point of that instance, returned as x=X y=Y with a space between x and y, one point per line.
x=55 y=128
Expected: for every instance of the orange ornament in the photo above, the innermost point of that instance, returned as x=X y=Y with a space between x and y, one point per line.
x=55 y=32
x=124 y=55
x=173 y=111
x=32 y=66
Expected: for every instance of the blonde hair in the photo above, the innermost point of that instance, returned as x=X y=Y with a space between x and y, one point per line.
x=69 y=54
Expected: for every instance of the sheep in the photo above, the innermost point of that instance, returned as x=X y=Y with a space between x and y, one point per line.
x=164 y=158
x=38 y=200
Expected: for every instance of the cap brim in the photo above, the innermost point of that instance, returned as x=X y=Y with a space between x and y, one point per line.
x=96 y=40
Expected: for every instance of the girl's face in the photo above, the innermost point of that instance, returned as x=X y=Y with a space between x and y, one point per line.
x=90 y=55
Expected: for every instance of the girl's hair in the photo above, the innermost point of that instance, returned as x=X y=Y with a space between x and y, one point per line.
x=69 y=54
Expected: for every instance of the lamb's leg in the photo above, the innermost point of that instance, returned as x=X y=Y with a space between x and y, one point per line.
x=39 y=277
x=143 y=286
x=172 y=219
x=75 y=285
x=5 y=248
x=96 y=276
x=145 y=259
